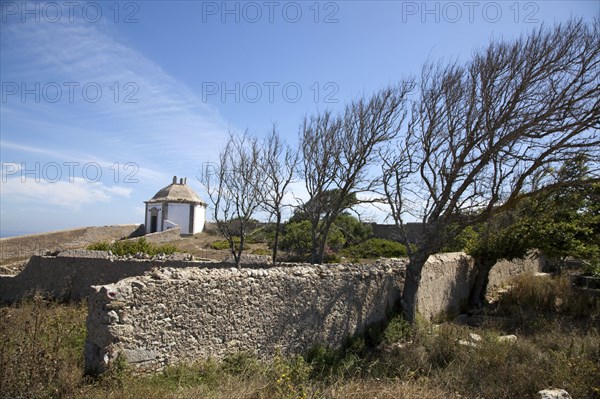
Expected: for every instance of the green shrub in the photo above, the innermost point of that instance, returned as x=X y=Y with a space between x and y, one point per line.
x=592 y=268
x=220 y=245
x=132 y=247
x=99 y=246
x=224 y=244
x=297 y=239
x=397 y=330
x=262 y=251
x=375 y=248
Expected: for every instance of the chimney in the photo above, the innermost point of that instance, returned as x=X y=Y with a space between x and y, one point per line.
x=174 y=179
x=181 y=181
x=185 y=181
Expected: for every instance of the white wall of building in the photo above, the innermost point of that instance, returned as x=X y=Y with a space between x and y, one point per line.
x=180 y=215
x=199 y=218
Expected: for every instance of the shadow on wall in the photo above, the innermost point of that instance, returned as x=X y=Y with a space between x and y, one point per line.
x=345 y=310
x=446 y=282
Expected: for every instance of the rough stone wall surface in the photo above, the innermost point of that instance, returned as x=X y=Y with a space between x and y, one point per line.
x=446 y=281
x=36 y=244
x=161 y=236
x=504 y=270
x=69 y=276
x=172 y=315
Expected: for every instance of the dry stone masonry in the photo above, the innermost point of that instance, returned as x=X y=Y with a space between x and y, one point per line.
x=154 y=311
x=172 y=315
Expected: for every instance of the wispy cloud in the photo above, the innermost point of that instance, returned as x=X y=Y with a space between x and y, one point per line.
x=164 y=119
x=64 y=194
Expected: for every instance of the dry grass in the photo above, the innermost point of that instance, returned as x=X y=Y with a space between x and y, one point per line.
x=559 y=346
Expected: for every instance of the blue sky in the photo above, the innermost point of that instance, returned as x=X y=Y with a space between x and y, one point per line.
x=103 y=102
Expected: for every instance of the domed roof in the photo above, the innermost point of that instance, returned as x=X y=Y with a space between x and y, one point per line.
x=177 y=192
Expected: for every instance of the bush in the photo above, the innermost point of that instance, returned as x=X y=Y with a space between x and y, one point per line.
x=297 y=239
x=592 y=268
x=354 y=230
x=224 y=244
x=220 y=245
x=375 y=248
x=133 y=247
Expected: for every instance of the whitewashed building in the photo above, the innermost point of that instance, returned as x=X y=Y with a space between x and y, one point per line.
x=175 y=205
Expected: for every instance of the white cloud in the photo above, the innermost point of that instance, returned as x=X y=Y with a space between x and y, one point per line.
x=62 y=193
x=168 y=121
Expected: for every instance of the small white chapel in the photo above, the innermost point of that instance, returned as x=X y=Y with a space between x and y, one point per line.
x=175 y=205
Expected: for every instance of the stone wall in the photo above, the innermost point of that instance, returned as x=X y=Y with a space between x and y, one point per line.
x=161 y=236
x=414 y=231
x=22 y=247
x=173 y=315
x=69 y=276
x=504 y=270
x=169 y=309
x=447 y=279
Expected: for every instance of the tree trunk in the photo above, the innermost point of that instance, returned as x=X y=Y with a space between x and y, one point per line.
x=482 y=273
x=411 y=284
x=238 y=259
x=276 y=239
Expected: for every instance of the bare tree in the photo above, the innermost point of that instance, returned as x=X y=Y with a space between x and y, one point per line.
x=233 y=189
x=279 y=164
x=337 y=155
x=481 y=132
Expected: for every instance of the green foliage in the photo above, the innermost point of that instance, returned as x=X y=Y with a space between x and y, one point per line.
x=592 y=268
x=375 y=248
x=291 y=376
x=398 y=330
x=561 y=222
x=240 y=363
x=224 y=244
x=133 y=247
x=354 y=231
x=99 y=246
x=297 y=239
x=347 y=230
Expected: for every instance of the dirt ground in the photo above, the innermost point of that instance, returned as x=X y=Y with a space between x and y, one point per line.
x=199 y=245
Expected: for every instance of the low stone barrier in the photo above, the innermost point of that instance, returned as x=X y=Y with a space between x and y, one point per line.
x=172 y=315
x=161 y=236
x=23 y=247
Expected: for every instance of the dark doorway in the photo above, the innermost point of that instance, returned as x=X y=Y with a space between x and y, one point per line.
x=153 y=223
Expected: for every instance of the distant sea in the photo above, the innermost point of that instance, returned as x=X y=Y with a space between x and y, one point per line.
x=11 y=233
